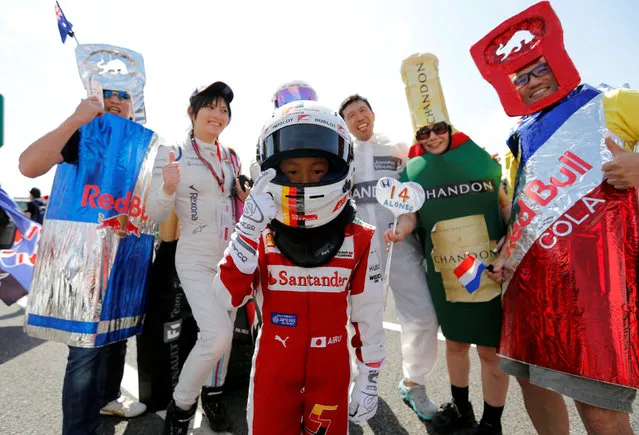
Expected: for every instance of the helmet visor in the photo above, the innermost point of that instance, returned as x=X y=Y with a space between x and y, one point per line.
x=306 y=140
x=293 y=93
x=304 y=137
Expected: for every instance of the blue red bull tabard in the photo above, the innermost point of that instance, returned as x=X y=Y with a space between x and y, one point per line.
x=89 y=283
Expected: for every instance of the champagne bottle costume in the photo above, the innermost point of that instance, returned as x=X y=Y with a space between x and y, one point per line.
x=461 y=214
x=570 y=308
x=90 y=280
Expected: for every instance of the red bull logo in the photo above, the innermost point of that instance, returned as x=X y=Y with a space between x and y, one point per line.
x=516 y=41
x=128 y=207
x=519 y=40
x=119 y=224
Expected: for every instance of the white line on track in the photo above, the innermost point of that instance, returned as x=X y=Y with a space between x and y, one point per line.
x=130 y=378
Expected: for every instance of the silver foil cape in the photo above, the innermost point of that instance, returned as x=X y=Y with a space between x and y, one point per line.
x=115 y=68
x=582 y=128
x=75 y=261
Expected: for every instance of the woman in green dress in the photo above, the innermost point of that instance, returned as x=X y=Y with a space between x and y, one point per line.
x=462 y=214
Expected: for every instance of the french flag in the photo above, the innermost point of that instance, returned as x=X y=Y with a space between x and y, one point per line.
x=469 y=273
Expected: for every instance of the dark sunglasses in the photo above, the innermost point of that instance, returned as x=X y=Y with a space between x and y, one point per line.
x=121 y=94
x=424 y=132
x=538 y=71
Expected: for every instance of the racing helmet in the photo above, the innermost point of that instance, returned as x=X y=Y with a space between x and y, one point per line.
x=296 y=90
x=307 y=129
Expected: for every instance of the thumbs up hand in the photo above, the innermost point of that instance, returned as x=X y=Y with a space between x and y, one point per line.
x=622 y=172
x=171 y=175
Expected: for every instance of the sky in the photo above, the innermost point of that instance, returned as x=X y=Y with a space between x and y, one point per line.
x=340 y=47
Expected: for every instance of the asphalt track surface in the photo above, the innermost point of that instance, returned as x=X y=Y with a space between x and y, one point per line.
x=32 y=370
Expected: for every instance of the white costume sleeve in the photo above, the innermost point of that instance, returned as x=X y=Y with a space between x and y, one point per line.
x=159 y=204
x=367 y=299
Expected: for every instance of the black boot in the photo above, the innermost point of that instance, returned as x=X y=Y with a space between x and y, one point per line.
x=450 y=419
x=487 y=429
x=214 y=409
x=177 y=420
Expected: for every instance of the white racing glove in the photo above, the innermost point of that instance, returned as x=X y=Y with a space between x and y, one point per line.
x=364 y=395
x=259 y=210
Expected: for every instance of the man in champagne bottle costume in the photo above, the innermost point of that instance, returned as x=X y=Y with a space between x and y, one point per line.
x=377 y=156
x=462 y=214
x=569 y=266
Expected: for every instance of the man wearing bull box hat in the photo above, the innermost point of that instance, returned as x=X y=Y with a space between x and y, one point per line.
x=376 y=156
x=93 y=256
x=569 y=266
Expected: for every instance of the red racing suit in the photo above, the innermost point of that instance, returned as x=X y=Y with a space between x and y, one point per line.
x=301 y=360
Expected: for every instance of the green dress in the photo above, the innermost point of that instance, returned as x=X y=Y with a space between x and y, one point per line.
x=461 y=214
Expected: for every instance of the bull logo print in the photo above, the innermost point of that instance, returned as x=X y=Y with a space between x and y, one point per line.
x=113 y=66
x=519 y=40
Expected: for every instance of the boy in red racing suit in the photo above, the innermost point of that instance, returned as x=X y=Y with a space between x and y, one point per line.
x=311 y=264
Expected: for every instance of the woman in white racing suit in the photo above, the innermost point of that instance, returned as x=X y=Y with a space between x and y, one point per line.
x=197 y=181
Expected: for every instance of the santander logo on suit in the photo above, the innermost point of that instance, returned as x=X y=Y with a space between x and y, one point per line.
x=315 y=280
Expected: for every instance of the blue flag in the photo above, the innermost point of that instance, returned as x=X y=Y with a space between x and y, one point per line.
x=64 y=26
x=16 y=264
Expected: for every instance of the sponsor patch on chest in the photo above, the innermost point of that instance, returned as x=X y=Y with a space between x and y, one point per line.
x=269 y=244
x=284 y=319
x=347 y=250
x=311 y=280
x=386 y=163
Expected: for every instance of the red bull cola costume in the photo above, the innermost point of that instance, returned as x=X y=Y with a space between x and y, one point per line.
x=301 y=366
x=90 y=280
x=573 y=240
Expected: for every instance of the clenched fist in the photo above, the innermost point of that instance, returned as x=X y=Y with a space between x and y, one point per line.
x=88 y=109
x=171 y=175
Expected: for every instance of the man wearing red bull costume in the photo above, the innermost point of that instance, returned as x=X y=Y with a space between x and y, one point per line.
x=376 y=156
x=569 y=266
x=89 y=283
x=299 y=246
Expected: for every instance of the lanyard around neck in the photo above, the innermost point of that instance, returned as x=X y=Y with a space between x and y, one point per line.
x=196 y=148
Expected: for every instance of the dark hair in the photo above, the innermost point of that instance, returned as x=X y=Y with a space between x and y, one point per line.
x=196 y=102
x=35 y=192
x=350 y=100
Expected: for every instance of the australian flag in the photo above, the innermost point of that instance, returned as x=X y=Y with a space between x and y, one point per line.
x=16 y=264
x=64 y=26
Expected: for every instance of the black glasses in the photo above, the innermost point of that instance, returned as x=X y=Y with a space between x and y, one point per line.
x=538 y=71
x=438 y=128
x=121 y=94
